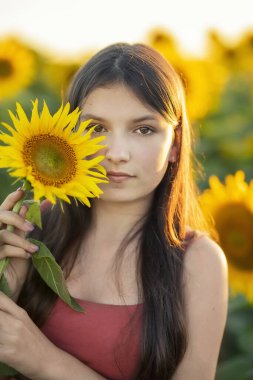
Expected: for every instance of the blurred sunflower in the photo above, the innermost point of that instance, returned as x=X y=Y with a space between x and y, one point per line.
x=58 y=74
x=218 y=49
x=163 y=41
x=51 y=156
x=203 y=81
x=229 y=209
x=17 y=67
x=236 y=56
x=245 y=51
x=203 y=84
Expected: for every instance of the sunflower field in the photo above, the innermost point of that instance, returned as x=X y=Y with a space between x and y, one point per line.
x=219 y=92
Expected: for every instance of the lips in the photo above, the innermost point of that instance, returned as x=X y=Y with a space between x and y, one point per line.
x=118 y=174
x=117 y=177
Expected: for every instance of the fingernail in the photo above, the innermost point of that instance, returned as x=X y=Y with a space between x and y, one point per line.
x=20 y=188
x=28 y=226
x=34 y=248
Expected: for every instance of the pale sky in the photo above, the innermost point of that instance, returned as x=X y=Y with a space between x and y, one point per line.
x=66 y=28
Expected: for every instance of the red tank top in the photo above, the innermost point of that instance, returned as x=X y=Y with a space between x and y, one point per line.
x=101 y=337
x=107 y=338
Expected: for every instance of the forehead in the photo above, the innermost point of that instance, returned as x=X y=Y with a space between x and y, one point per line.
x=116 y=101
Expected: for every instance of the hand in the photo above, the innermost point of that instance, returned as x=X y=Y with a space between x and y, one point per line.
x=13 y=244
x=22 y=345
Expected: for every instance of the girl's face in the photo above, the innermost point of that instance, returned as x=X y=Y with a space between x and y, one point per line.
x=139 y=142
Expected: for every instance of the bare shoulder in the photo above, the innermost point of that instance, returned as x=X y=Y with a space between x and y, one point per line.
x=205 y=257
x=206 y=301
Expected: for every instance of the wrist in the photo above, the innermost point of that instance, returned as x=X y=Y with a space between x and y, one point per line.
x=63 y=366
x=54 y=365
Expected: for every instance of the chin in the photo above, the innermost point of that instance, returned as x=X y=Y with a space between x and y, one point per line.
x=125 y=197
x=116 y=199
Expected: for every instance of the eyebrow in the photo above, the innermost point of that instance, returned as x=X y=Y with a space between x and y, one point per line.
x=142 y=118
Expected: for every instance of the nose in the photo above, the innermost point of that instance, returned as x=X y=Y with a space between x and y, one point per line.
x=117 y=149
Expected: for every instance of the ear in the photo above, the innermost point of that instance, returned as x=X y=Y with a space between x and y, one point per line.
x=173 y=154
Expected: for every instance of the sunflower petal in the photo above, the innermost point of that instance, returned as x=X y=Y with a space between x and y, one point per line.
x=35 y=119
x=15 y=121
x=57 y=114
x=22 y=116
x=9 y=128
x=46 y=118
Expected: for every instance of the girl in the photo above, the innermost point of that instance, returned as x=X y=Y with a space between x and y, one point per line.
x=140 y=261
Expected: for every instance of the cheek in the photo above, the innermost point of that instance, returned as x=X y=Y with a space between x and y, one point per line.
x=157 y=158
x=162 y=160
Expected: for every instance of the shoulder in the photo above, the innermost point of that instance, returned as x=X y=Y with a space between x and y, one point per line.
x=206 y=303
x=206 y=282
x=204 y=256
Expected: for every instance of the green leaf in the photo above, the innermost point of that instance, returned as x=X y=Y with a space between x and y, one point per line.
x=34 y=215
x=44 y=262
x=5 y=370
x=3 y=264
x=4 y=286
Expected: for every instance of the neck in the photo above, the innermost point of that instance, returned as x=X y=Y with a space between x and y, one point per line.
x=113 y=220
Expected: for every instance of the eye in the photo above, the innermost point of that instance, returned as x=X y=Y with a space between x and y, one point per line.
x=98 y=128
x=145 y=130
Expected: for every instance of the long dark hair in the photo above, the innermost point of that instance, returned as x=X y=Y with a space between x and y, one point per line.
x=160 y=234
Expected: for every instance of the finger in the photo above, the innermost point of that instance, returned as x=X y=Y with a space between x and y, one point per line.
x=45 y=205
x=17 y=231
x=6 y=319
x=10 y=238
x=9 y=306
x=23 y=211
x=13 y=252
x=13 y=219
x=11 y=200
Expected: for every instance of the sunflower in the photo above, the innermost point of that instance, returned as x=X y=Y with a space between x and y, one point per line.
x=245 y=51
x=59 y=73
x=203 y=81
x=229 y=208
x=163 y=41
x=203 y=84
x=51 y=156
x=236 y=56
x=17 y=67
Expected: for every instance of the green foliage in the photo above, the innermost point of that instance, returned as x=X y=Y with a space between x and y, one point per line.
x=44 y=262
x=235 y=361
x=33 y=214
x=225 y=139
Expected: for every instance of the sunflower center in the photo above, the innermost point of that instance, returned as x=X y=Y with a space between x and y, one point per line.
x=234 y=223
x=52 y=159
x=5 y=68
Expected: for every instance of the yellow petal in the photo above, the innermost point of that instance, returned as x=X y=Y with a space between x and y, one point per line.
x=22 y=116
x=57 y=114
x=35 y=119
x=8 y=127
x=46 y=118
